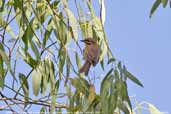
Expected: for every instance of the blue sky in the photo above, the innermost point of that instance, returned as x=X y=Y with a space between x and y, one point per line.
x=144 y=45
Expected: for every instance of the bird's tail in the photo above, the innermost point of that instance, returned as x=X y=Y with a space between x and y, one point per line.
x=85 y=68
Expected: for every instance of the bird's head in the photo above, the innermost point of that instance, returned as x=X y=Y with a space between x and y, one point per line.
x=89 y=41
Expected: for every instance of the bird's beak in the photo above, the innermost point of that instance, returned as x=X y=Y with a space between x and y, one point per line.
x=82 y=40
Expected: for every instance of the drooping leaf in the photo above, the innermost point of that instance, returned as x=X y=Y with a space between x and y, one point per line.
x=102 y=64
x=112 y=101
x=164 y=2
x=9 y=30
x=48 y=32
x=78 y=61
x=104 y=91
x=27 y=58
x=35 y=50
x=36 y=81
x=73 y=23
x=2 y=70
x=2 y=5
x=24 y=85
x=133 y=78
x=92 y=94
x=124 y=108
x=27 y=36
x=5 y=58
x=154 y=7
x=102 y=11
x=42 y=110
x=111 y=60
x=68 y=66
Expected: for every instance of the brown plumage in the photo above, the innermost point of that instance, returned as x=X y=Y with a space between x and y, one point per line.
x=91 y=54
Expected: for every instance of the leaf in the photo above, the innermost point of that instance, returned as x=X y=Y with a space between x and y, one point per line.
x=24 y=85
x=153 y=109
x=2 y=70
x=9 y=30
x=133 y=78
x=80 y=84
x=68 y=66
x=27 y=57
x=36 y=81
x=73 y=23
x=111 y=60
x=104 y=91
x=102 y=64
x=102 y=11
x=42 y=110
x=154 y=7
x=124 y=108
x=112 y=101
x=5 y=58
x=164 y=2
x=2 y=5
x=92 y=93
x=104 y=50
x=85 y=104
x=35 y=50
x=48 y=32
x=78 y=62
x=27 y=36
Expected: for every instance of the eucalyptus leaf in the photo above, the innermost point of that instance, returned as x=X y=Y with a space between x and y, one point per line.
x=24 y=85
x=154 y=7
x=36 y=81
x=73 y=23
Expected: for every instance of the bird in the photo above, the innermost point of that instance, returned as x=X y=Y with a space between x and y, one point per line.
x=91 y=54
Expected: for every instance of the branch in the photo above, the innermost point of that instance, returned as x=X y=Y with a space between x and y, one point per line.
x=35 y=102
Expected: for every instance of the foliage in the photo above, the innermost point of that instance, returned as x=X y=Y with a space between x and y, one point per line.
x=157 y=3
x=44 y=36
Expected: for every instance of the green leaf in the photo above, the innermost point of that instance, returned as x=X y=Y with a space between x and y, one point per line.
x=9 y=30
x=80 y=84
x=48 y=32
x=154 y=7
x=104 y=91
x=102 y=64
x=133 y=78
x=164 y=2
x=68 y=66
x=2 y=5
x=5 y=58
x=24 y=85
x=36 y=81
x=124 y=108
x=27 y=36
x=116 y=74
x=2 y=70
x=27 y=57
x=59 y=111
x=78 y=61
x=35 y=50
x=85 y=104
x=111 y=60
x=112 y=99
x=42 y=110
x=73 y=23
